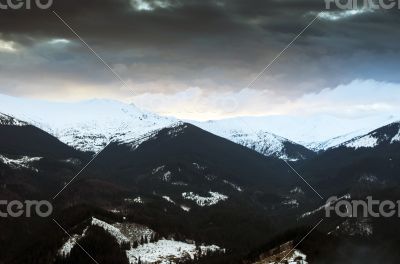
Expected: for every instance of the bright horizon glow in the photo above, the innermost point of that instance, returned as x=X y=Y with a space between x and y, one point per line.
x=358 y=98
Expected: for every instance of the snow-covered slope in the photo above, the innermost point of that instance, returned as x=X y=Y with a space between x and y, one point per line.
x=385 y=135
x=161 y=251
x=318 y=132
x=168 y=251
x=86 y=125
x=211 y=200
x=6 y=120
x=256 y=138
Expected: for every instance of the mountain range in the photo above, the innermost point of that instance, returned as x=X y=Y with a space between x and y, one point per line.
x=222 y=186
x=91 y=125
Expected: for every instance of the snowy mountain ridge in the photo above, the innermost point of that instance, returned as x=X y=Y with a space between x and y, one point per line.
x=259 y=140
x=91 y=125
x=385 y=135
x=318 y=133
x=86 y=125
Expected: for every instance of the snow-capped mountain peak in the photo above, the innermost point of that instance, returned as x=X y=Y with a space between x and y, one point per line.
x=259 y=140
x=385 y=135
x=87 y=125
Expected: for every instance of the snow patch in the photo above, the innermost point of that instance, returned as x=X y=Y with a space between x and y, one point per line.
x=115 y=232
x=396 y=138
x=298 y=257
x=167 y=251
x=65 y=250
x=205 y=201
x=168 y=199
x=161 y=252
x=22 y=163
x=185 y=208
x=158 y=169
x=137 y=200
x=134 y=232
x=367 y=141
x=234 y=186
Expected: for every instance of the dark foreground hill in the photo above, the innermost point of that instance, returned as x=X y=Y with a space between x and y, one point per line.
x=189 y=184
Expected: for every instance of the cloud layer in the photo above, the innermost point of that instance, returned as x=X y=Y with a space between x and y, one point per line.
x=356 y=99
x=167 y=47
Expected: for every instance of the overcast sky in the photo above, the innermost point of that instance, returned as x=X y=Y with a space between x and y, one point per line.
x=195 y=58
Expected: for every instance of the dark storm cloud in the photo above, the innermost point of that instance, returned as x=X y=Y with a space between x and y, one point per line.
x=213 y=44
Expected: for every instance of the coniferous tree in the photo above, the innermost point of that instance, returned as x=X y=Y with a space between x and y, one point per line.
x=135 y=244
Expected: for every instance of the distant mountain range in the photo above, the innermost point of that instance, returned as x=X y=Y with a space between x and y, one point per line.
x=91 y=125
x=317 y=132
x=382 y=136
